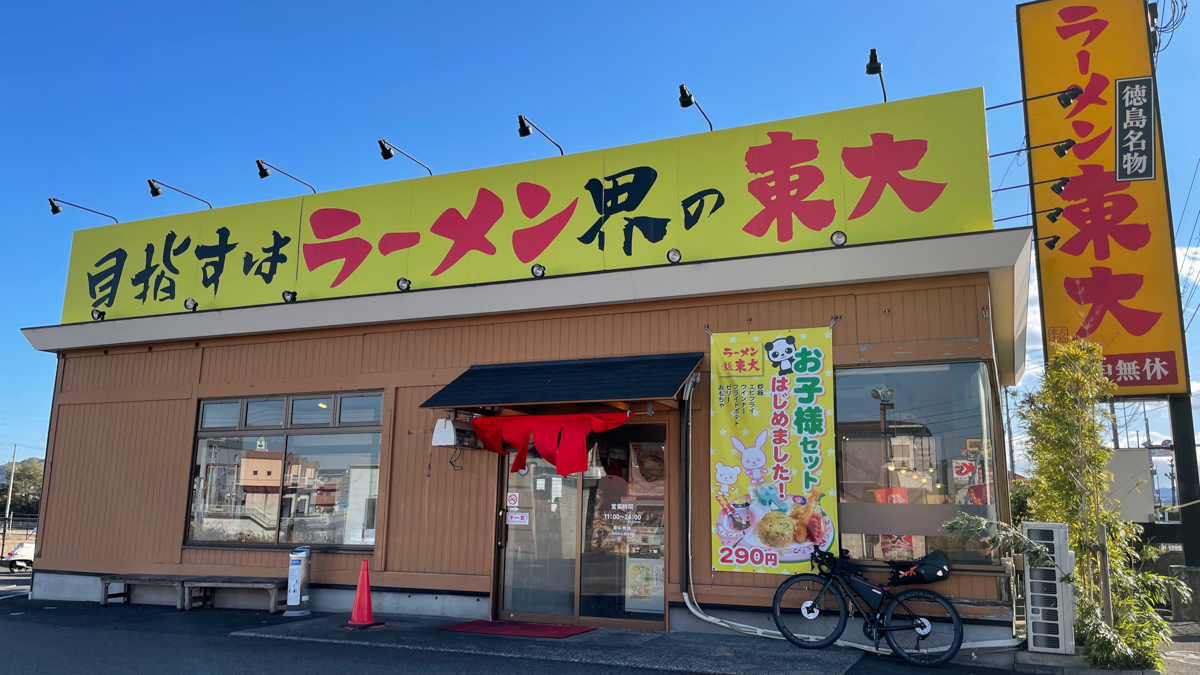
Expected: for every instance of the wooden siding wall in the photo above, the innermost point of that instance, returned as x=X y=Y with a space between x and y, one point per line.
x=122 y=428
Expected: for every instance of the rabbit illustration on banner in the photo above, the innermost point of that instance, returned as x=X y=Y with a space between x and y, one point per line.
x=754 y=459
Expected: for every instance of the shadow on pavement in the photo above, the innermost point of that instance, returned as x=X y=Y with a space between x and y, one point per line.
x=679 y=652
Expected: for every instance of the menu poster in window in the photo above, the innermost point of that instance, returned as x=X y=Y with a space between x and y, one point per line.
x=646 y=473
x=772 y=466
x=645 y=582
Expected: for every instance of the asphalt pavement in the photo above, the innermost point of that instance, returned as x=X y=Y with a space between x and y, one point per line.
x=14 y=583
x=73 y=637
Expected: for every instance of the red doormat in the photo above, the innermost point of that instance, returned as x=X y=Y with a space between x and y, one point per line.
x=538 y=630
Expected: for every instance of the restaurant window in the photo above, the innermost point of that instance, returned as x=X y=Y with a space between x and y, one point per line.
x=916 y=447
x=287 y=470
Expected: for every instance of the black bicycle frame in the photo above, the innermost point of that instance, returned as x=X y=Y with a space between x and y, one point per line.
x=873 y=617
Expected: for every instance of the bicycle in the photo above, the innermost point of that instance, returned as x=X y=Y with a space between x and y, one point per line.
x=920 y=626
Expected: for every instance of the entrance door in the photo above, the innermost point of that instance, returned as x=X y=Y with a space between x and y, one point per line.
x=589 y=549
x=542 y=544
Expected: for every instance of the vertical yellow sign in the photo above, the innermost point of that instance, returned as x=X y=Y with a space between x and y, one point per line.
x=772 y=465
x=1111 y=276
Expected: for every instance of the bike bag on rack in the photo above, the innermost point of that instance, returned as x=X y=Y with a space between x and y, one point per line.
x=927 y=570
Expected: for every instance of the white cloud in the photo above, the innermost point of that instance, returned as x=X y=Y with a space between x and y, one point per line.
x=1188 y=258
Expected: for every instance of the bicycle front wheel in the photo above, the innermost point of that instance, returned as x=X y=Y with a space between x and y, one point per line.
x=809 y=613
x=922 y=627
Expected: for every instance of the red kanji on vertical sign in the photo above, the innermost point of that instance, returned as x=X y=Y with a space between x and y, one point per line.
x=1099 y=211
x=327 y=224
x=470 y=233
x=1074 y=16
x=1093 y=94
x=1104 y=291
x=1086 y=148
x=530 y=242
x=882 y=161
x=785 y=186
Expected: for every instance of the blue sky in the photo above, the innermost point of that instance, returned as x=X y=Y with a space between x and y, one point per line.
x=98 y=97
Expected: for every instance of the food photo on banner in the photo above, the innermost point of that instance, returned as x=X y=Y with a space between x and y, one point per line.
x=772 y=461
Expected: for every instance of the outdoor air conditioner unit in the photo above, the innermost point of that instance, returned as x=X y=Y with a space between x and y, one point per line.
x=1050 y=603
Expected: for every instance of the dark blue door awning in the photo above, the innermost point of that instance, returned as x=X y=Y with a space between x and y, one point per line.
x=625 y=378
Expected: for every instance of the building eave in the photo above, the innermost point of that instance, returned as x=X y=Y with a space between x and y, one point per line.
x=1003 y=254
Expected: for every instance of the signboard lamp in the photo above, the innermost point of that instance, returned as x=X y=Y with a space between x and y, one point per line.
x=1052 y=215
x=686 y=100
x=389 y=151
x=1060 y=148
x=156 y=187
x=1060 y=184
x=56 y=208
x=875 y=67
x=523 y=129
x=1065 y=98
x=264 y=170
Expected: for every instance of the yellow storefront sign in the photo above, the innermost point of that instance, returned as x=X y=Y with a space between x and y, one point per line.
x=772 y=464
x=1111 y=277
x=906 y=169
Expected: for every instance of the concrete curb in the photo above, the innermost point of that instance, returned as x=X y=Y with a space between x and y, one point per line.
x=668 y=652
x=1034 y=663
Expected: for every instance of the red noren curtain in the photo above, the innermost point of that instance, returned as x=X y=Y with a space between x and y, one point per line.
x=560 y=439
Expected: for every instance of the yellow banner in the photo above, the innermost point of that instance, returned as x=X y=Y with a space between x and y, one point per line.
x=900 y=170
x=1111 y=276
x=773 y=469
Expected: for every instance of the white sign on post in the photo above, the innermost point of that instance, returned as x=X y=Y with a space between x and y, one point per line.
x=293 y=588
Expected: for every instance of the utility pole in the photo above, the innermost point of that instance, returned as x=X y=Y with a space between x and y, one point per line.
x=1147 y=420
x=1112 y=412
x=12 y=476
x=1012 y=461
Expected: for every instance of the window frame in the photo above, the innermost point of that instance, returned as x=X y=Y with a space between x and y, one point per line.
x=343 y=397
x=244 y=416
x=287 y=430
x=999 y=457
x=241 y=413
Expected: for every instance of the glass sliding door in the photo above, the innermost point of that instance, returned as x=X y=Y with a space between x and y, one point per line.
x=589 y=548
x=622 y=572
x=542 y=542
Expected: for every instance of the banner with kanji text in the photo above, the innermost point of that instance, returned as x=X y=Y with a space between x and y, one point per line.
x=1106 y=254
x=900 y=170
x=773 y=471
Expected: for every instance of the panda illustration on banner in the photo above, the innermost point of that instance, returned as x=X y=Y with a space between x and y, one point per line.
x=782 y=354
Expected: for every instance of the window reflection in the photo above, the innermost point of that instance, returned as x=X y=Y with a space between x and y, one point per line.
x=264 y=413
x=219 y=415
x=236 y=490
x=915 y=447
x=312 y=410
x=330 y=489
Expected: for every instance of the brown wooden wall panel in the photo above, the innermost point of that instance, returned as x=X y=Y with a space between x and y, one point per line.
x=124 y=371
x=440 y=520
x=273 y=563
x=119 y=480
x=289 y=360
x=949 y=313
x=119 y=490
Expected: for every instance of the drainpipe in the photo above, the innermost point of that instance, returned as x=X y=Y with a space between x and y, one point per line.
x=746 y=629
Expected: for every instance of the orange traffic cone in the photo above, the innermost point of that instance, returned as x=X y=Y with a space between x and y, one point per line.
x=362 y=617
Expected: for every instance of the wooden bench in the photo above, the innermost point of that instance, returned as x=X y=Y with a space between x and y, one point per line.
x=185 y=586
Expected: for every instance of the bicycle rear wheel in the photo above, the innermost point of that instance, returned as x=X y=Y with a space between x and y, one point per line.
x=807 y=613
x=922 y=627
